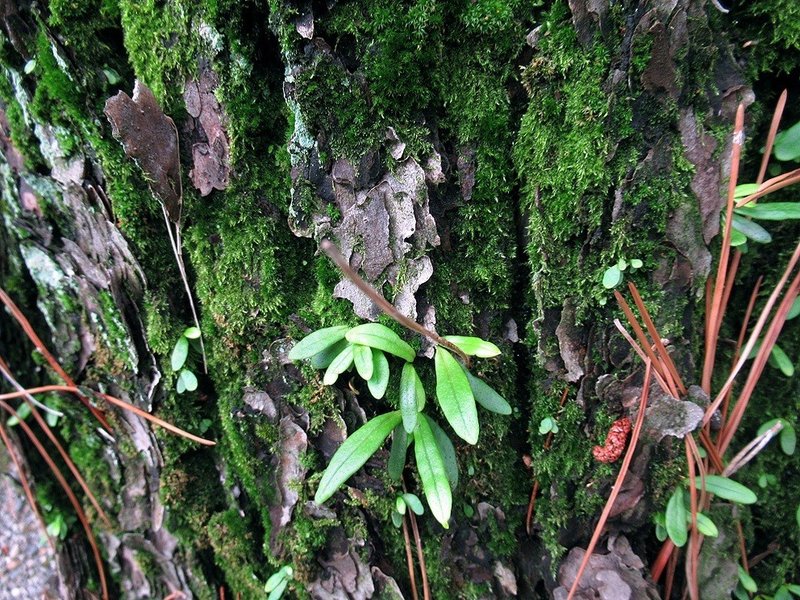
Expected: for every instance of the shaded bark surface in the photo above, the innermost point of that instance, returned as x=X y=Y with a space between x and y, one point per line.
x=481 y=163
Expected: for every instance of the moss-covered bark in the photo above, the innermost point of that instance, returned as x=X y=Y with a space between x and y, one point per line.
x=482 y=162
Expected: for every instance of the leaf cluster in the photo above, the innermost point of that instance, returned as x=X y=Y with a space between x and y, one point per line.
x=364 y=348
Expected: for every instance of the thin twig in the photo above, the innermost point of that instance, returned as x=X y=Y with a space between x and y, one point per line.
x=26 y=487
x=115 y=401
x=426 y=591
x=387 y=307
x=623 y=471
x=773 y=130
x=54 y=364
x=749 y=452
x=175 y=243
x=68 y=491
x=410 y=560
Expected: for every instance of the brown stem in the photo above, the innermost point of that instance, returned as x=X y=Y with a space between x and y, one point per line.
x=410 y=560
x=426 y=592
x=387 y=307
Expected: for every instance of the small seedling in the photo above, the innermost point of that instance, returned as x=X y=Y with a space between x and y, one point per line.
x=57 y=528
x=614 y=274
x=277 y=583
x=187 y=380
x=548 y=425
x=401 y=503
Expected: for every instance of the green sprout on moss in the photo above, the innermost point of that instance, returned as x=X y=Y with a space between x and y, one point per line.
x=278 y=582
x=187 y=380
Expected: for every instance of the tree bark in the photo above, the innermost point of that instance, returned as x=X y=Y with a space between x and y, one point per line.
x=480 y=163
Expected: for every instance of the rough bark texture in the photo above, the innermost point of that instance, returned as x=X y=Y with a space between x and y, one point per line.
x=480 y=162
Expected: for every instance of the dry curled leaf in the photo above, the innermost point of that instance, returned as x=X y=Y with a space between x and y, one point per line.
x=151 y=139
x=615 y=441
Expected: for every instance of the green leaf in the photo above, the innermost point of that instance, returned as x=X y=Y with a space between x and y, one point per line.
x=797 y=515
x=189 y=380
x=274 y=580
x=400 y=505
x=794 y=588
x=180 y=385
x=794 y=311
x=362 y=357
x=432 y=472
x=448 y=453
x=380 y=374
x=455 y=396
x=705 y=525
x=747 y=582
x=727 y=489
x=420 y=392
x=354 y=452
x=782 y=361
x=751 y=229
x=408 y=396
x=179 y=353
x=612 y=277
x=29 y=67
x=548 y=425
x=397 y=454
x=787 y=144
x=397 y=519
x=771 y=211
x=782 y=593
x=317 y=341
x=737 y=238
x=192 y=333
x=112 y=76
x=323 y=359
x=636 y=263
x=381 y=337
x=473 y=346
x=413 y=503
x=744 y=189
x=676 y=518
x=486 y=396
x=277 y=593
x=340 y=364
x=622 y=264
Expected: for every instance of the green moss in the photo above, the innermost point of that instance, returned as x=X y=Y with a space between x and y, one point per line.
x=235 y=549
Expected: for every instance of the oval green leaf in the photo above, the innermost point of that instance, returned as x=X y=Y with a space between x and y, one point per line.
x=380 y=374
x=705 y=525
x=323 y=359
x=362 y=357
x=728 y=489
x=192 y=333
x=432 y=473
x=179 y=354
x=788 y=439
x=381 y=337
x=782 y=361
x=408 y=396
x=340 y=364
x=400 y=505
x=274 y=580
x=413 y=503
x=189 y=380
x=612 y=277
x=771 y=211
x=676 y=518
x=397 y=454
x=744 y=189
x=448 y=453
x=455 y=396
x=277 y=593
x=751 y=229
x=747 y=581
x=317 y=341
x=486 y=396
x=787 y=143
x=354 y=452
x=737 y=238
x=473 y=346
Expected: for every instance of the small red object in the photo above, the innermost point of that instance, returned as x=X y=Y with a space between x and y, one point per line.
x=615 y=441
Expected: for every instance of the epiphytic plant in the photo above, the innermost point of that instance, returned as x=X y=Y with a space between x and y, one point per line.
x=365 y=348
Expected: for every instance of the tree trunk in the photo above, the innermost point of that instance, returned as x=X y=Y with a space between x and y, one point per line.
x=481 y=163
